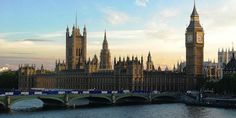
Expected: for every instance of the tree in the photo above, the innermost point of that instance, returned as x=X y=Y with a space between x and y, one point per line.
x=8 y=80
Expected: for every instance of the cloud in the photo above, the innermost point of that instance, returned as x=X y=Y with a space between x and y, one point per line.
x=117 y=17
x=38 y=40
x=142 y=3
x=21 y=53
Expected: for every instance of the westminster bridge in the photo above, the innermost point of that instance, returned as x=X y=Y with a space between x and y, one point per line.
x=72 y=98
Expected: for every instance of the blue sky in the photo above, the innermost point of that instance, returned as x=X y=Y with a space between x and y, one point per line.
x=33 y=31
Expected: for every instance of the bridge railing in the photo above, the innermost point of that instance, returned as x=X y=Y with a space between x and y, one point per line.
x=58 y=92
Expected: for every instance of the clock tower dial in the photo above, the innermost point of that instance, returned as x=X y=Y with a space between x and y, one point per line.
x=200 y=38
x=194 y=46
x=189 y=38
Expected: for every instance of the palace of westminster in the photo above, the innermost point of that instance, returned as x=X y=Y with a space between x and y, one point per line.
x=128 y=73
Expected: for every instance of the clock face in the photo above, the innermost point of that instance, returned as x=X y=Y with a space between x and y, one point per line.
x=199 y=38
x=189 y=38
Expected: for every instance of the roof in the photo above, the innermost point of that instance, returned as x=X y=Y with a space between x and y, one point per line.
x=231 y=66
x=194 y=13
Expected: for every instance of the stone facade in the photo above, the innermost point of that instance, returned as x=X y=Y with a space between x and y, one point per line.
x=194 y=46
x=105 y=56
x=212 y=70
x=230 y=68
x=76 y=48
x=150 y=65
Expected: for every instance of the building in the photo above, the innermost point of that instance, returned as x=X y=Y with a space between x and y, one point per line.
x=194 y=46
x=150 y=65
x=105 y=56
x=76 y=48
x=128 y=73
x=212 y=70
x=230 y=67
x=224 y=56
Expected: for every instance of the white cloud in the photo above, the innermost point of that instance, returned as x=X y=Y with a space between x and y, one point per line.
x=21 y=52
x=160 y=36
x=142 y=3
x=117 y=17
x=219 y=25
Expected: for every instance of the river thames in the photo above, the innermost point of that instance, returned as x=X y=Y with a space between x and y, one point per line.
x=24 y=109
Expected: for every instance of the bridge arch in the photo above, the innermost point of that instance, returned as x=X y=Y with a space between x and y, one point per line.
x=15 y=100
x=135 y=98
x=52 y=101
x=2 y=105
x=164 y=99
x=102 y=99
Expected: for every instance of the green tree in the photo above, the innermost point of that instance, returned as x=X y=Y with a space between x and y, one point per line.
x=8 y=80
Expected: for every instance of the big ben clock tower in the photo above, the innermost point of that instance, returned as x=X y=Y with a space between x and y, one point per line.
x=194 y=41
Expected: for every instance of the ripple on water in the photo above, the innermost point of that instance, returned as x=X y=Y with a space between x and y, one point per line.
x=134 y=111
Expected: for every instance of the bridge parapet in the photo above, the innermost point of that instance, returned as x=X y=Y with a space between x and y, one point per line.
x=66 y=99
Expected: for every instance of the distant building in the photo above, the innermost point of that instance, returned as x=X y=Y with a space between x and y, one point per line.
x=105 y=56
x=181 y=67
x=230 y=67
x=225 y=55
x=212 y=70
x=150 y=65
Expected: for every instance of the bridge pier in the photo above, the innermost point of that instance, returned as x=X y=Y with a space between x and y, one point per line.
x=113 y=99
x=150 y=97
x=66 y=100
x=7 y=104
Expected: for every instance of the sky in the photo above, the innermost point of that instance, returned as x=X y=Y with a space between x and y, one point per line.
x=33 y=31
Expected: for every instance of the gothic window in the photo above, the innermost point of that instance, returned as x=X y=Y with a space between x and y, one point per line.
x=77 y=52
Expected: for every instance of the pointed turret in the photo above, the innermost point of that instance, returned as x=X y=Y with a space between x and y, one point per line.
x=105 y=56
x=67 y=31
x=174 y=68
x=194 y=13
x=194 y=23
x=233 y=47
x=149 y=63
x=149 y=57
x=159 y=69
x=194 y=36
x=85 y=32
x=42 y=67
x=105 y=43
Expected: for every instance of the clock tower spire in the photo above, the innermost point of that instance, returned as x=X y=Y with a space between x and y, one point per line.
x=194 y=45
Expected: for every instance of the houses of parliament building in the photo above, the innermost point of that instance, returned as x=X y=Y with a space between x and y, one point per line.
x=127 y=73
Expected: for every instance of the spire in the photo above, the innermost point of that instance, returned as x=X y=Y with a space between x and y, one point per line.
x=67 y=31
x=232 y=46
x=105 y=43
x=159 y=68
x=85 y=28
x=149 y=57
x=67 y=28
x=194 y=13
x=85 y=32
x=42 y=67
